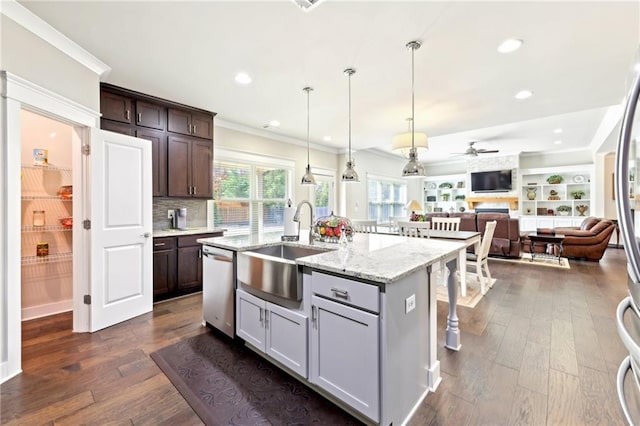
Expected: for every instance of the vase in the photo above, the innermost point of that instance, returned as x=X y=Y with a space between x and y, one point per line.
x=531 y=193
x=582 y=209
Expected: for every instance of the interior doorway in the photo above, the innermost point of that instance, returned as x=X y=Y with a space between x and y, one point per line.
x=46 y=180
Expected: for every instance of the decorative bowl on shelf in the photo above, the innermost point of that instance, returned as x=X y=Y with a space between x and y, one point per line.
x=66 y=192
x=445 y=185
x=329 y=228
x=554 y=179
x=563 y=210
x=66 y=222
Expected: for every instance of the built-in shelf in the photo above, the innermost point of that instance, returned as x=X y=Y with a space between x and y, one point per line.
x=513 y=201
x=51 y=258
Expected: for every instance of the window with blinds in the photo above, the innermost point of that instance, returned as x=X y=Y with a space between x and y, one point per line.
x=386 y=197
x=249 y=197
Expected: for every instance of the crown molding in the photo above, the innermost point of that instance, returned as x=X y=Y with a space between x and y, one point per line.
x=270 y=135
x=36 y=25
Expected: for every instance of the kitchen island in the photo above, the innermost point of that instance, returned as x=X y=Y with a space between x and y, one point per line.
x=363 y=331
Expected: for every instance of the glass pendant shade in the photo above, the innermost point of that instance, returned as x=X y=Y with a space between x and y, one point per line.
x=308 y=178
x=350 y=174
x=413 y=168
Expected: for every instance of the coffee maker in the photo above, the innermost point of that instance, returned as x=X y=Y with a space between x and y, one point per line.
x=180 y=219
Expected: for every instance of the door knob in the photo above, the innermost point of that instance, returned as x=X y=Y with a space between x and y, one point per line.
x=146 y=234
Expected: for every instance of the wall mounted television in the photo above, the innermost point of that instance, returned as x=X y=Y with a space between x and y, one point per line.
x=491 y=181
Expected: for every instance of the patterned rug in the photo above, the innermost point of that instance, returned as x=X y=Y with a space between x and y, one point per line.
x=227 y=384
x=538 y=261
x=473 y=292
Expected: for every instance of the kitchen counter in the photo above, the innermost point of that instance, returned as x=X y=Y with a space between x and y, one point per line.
x=188 y=231
x=372 y=257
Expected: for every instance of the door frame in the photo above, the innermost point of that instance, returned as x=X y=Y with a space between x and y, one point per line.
x=17 y=94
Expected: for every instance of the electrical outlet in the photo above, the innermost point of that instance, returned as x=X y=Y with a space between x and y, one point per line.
x=409 y=303
x=170 y=214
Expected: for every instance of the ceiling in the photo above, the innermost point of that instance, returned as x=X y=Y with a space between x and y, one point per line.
x=576 y=58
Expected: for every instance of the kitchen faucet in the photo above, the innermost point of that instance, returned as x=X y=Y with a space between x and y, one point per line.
x=296 y=218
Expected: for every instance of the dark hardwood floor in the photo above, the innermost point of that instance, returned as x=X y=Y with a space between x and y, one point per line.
x=540 y=348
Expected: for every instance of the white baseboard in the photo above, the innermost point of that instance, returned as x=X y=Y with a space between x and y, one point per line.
x=39 y=311
x=5 y=374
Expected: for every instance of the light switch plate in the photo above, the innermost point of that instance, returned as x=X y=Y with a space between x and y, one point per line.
x=409 y=303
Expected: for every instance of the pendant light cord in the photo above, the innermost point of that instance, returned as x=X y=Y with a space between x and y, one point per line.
x=350 y=116
x=413 y=49
x=308 y=148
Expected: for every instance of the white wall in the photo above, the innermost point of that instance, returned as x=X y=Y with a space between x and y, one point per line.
x=26 y=55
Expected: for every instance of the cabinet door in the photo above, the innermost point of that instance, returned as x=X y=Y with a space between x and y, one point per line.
x=113 y=126
x=345 y=358
x=164 y=273
x=250 y=319
x=202 y=162
x=189 y=268
x=150 y=115
x=116 y=107
x=178 y=170
x=158 y=158
x=202 y=125
x=286 y=339
x=179 y=121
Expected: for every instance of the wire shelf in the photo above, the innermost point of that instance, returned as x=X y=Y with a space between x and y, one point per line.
x=46 y=228
x=51 y=258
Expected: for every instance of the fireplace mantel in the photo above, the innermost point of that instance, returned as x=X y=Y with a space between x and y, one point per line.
x=512 y=201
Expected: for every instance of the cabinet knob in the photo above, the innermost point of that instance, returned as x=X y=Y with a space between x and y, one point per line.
x=195 y=128
x=139 y=117
x=127 y=114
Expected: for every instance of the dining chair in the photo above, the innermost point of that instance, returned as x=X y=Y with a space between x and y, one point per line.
x=479 y=260
x=366 y=226
x=445 y=223
x=393 y=222
x=409 y=228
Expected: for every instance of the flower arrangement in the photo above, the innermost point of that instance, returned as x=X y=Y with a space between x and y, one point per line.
x=577 y=194
x=418 y=217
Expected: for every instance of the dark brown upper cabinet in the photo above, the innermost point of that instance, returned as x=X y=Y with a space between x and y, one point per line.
x=150 y=115
x=190 y=123
x=116 y=107
x=182 y=165
x=189 y=164
x=158 y=159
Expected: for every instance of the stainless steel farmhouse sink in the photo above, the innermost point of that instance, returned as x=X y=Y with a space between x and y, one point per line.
x=273 y=269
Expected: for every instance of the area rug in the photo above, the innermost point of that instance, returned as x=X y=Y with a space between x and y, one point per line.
x=473 y=292
x=538 y=261
x=227 y=384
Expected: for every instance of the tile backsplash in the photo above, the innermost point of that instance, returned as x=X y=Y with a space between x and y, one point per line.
x=196 y=212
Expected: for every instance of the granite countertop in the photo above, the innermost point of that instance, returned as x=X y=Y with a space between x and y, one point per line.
x=188 y=231
x=373 y=257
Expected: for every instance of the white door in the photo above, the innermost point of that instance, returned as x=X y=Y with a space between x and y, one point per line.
x=121 y=276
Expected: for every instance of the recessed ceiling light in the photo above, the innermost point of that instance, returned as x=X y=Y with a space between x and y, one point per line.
x=52 y=135
x=327 y=139
x=243 y=78
x=558 y=142
x=509 y=45
x=636 y=67
x=274 y=123
x=524 y=94
x=558 y=130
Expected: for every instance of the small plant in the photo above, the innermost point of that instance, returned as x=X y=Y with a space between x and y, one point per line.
x=445 y=185
x=554 y=179
x=460 y=197
x=577 y=194
x=563 y=208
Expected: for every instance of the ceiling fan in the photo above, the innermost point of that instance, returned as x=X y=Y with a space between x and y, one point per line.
x=473 y=152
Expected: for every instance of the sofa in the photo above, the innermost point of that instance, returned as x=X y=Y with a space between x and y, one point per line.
x=587 y=241
x=506 y=237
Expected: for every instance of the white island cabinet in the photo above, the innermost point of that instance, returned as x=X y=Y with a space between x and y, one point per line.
x=277 y=331
x=364 y=333
x=344 y=345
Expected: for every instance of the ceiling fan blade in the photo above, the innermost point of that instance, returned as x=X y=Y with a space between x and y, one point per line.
x=487 y=151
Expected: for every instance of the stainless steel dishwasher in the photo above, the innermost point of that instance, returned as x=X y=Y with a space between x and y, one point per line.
x=218 y=289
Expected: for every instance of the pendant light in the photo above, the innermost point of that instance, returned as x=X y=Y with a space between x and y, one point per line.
x=308 y=178
x=413 y=168
x=350 y=174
